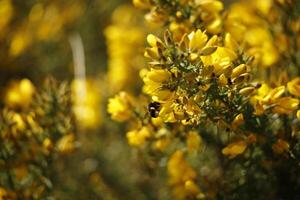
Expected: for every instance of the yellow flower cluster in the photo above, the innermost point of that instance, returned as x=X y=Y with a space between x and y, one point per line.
x=194 y=76
x=271 y=99
x=120 y=106
x=191 y=13
x=124 y=37
x=253 y=31
x=32 y=137
x=19 y=94
x=182 y=177
x=41 y=23
x=234 y=149
x=86 y=103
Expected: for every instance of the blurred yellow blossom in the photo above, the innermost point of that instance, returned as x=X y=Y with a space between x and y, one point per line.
x=193 y=141
x=294 y=86
x=238 y=120
x=234 y=149
x=124 y=38
x=87 y=101
x=19 y=93
x=120 y=107
x=182 y=177
x=137 y=138
x=66 y=144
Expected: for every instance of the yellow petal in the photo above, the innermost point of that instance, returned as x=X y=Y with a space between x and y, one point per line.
x=152 y=40
x=294 y=86
x=234 y=149
x=197 y=39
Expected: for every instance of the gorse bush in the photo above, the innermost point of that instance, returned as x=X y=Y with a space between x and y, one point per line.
x=220 y=98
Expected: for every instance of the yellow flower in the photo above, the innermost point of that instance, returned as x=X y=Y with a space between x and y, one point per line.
x=20 y=41
x=221 y=59
x=153 y=40
x=238 y=120
x=285 y=105
x=86 y=103
x=230 y=42
x=191 y=187
x=234 y=149
x=166 y=112
x=120 y=107
x=153 y=85
x=294 y=86
x=138 y=138
x=6 y=13
x=47 y=146
x=162 y=143
x=197 y=40
x=273 y=94
x=66 y=144
x=211 y=5
x=19 y=124
x=182 y=176
x=298 y=114
x=215 y=26
x=19 y=94
x=193 y=141
x=144 y=4
x=245 y=24
x=123 y=38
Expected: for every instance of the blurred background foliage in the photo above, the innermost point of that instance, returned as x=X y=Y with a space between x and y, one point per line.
x=35 y=43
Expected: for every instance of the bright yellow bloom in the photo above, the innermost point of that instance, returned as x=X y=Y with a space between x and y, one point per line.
x=230 y=42
x=267 y=97
x=211 y=5
x=285 y=105
x=120 y=107
x=86 y=102
x=250 y=30
x=19 y=94
x=182 y=176
x=298 y=114
x=193 y=141
x=144 y=4
x=153 y=85
x=66 y=144
x=19 y=124
x=138 y=138
x=124 y=40
x=197 y=40
x=220 y=59
x=234 y=149
x=294 y=86
x=238 y=120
